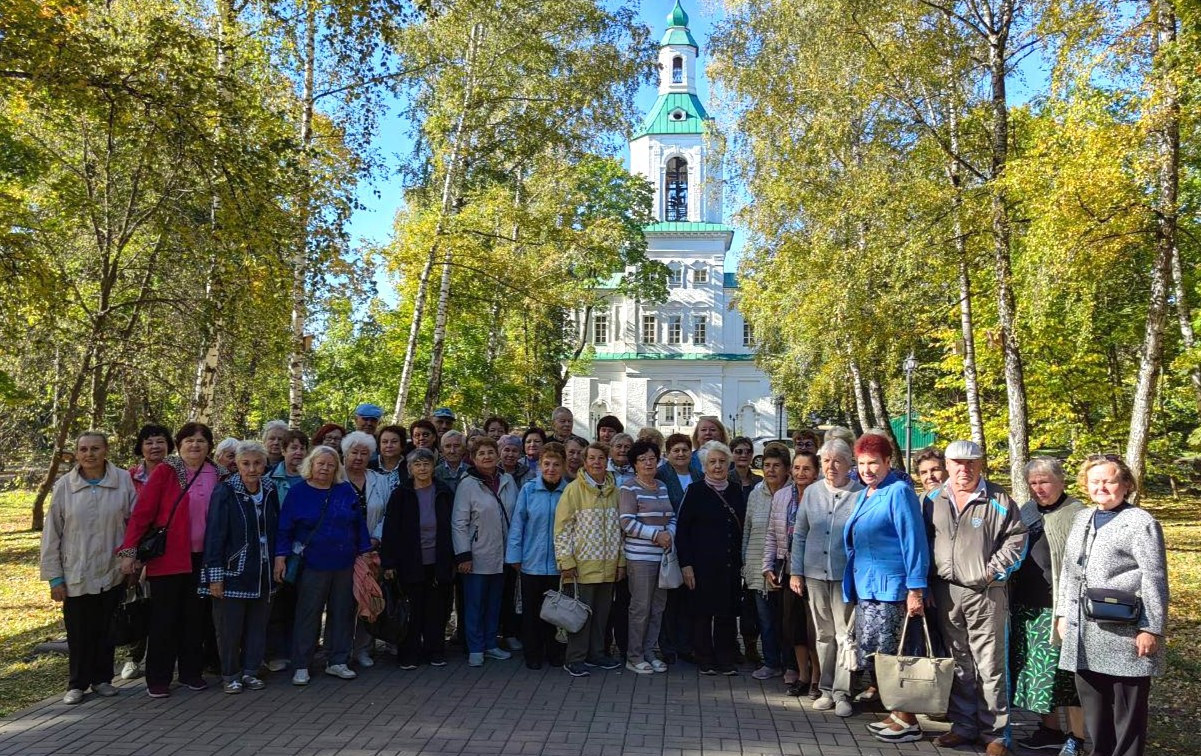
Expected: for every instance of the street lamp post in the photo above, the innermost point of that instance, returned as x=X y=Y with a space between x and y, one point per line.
x=909 y=366
x=780 y=416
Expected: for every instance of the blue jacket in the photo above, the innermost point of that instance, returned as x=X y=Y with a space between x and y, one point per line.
x=238 y=542
x=532 y=532
x=888 y=552
x=675 y=491
x=341 y=535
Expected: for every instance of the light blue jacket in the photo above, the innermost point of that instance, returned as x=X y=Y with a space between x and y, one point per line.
x=532 y=533
x=888 y=551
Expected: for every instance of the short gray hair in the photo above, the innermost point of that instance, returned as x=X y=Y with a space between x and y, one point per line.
x=358 y=438
x=226 y=445
x=247 y=448
x=621 y=437
x=709 y=447
x=306 y=467
x=846 y=435
x=420 y=454
x=559 y=413
x=835 y=447
x=271 y=425
x=452 y=434
x=1046 y=466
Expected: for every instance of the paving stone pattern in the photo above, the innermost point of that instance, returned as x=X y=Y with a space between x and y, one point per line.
x=502 y=709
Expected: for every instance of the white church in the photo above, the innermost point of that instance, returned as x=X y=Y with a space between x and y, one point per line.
x=665 y=365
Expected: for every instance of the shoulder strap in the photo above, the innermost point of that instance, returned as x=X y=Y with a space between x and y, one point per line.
x=320 y=519
x=182 y=494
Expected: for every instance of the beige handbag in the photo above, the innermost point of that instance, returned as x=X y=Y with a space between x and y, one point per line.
x=914 y=684
x=563 y=611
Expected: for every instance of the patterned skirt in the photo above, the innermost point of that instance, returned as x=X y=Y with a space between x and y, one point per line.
x=878 y=628
x=1038 y=683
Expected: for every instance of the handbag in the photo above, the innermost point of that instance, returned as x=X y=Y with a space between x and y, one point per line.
x=670 y=575
x=294 y=562
x=153 y=543
x=392 y=624
x=563 y=611
x=914 y=684
x=130 y=621
x=1105 y=604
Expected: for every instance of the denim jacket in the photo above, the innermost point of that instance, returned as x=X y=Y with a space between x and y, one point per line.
x=532 y=533
x=239 y=539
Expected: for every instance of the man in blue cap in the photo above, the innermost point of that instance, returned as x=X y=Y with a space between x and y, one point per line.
x=366 y=417
x=444 y=420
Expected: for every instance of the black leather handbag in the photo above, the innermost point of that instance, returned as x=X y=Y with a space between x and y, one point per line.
x=1109 y=605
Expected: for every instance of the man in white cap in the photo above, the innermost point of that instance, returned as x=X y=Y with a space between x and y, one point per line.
x=978 y=541
x=443 y=419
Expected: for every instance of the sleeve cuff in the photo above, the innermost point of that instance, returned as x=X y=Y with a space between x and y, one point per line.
x=56 y=582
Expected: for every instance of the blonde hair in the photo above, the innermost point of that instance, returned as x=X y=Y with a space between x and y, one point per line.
x=306 y=467
x=722 y=434
x=1125 y=475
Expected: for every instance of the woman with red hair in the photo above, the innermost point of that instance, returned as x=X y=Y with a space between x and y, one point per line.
x=331 y=435
x=888 y=558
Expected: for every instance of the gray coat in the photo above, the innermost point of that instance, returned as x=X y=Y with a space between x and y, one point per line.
x=479 y=523
x=1126 y=555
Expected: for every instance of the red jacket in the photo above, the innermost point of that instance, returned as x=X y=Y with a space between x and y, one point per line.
x=152 y=509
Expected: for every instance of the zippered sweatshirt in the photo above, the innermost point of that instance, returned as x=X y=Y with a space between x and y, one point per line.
x=982 y=545
x=532 y=534
x=588 y=534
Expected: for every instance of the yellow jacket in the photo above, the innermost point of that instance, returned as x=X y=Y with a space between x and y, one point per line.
x=587 y=531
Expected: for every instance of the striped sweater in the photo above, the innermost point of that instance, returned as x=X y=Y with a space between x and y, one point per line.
x=645 y=512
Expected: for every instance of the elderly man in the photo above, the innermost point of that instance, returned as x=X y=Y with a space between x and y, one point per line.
x=366 y=417
x=452 y=467
x=562 y=421
x=978 y=542
x=443 y=419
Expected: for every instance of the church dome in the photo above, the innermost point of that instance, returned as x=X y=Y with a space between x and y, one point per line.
x=677 y=17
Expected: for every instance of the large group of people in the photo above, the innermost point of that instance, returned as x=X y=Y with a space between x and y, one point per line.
x=255 y=554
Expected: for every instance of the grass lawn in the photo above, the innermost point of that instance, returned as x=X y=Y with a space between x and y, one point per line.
x=30 y=617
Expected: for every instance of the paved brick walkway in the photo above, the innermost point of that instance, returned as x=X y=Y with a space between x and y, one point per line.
x=500 y=710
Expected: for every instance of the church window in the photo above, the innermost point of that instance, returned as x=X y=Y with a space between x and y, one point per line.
x=600 y=329
x=699 y=327
x=677 y=70
x=675 y=329
x=677 y=190
x=700 y=275
x=675 y=277
x=748 y=335
x=650 y=328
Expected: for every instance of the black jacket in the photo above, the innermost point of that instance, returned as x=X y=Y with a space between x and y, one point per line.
x=400 y=546
x=709 y=540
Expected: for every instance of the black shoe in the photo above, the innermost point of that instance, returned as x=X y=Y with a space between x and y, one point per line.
x=728 y=670
x=438 y=661
x=533 y=664
x=814 y=692
x=796 y=689
x=577 y=669
x=1044 y=739
x=669 y=657
x=708 y=669
x=604 y=662
x=406 y=664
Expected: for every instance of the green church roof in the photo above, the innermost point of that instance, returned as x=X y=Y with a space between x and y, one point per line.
x=677 y=17
x=659 y=120
x=677 y=29
x=687 y=227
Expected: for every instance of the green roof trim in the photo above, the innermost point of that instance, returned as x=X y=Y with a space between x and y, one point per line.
x=659 y=121
x=681 y=37
x=688 y=227
x=723 y=357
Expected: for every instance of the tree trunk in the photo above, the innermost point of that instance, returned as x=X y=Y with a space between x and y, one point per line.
x=300 y=254
x=433 y=388
x=1015 y=382
x=38 y=518
x=449 y=193
x=860 y=392
x=884 y=421
x=1167 y=139
x=1184 y=314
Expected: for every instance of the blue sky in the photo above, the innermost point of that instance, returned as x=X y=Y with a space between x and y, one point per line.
x=380 y=196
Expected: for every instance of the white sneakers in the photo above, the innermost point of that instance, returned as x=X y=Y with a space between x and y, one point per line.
x=843 y=708
x=766 y=673
x=475 y=659
x=300 y=677
x=498 y=653
x=342 y=671
x=658 y=665
x=131 y=671
x=641 y=668
x=74 y=696
x=825 y=702
x=364 y=660
x=277 y=665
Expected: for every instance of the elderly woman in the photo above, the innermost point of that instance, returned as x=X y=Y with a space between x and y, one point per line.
x=331 y=435
x=679 y=469
x=416 y=548
x=495 y=427
x=391 y=460
x=373 y=491
x=818 y=563
x=888 y=559
x=322 y=522
x=274 y=437
x=531 y=443
x=574 y=449
x=743 y=450
x=766 y=597
x=620 y=463
x=931 y=471
x=86 y=522
x=588 y=552
x=531 y=551
x=453 y=465
x=796 y=621
x=287 y=473
x=224 y=455
x=649 y=522
x=424 y=435
x=608 y=427
x=283 y=603
x=1038 y=685
x=483 y=508
x=1114 y=557
x=176 y=497
x=511 y=460
x=652 y=435
x=239 y=541
x=709 y=542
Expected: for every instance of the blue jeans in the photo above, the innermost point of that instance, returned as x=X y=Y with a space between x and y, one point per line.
x=481 y=611
x=767 y=606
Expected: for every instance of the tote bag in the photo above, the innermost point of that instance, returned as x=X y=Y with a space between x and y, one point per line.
x=915 y=684
x=563 y=611
x=670 y=576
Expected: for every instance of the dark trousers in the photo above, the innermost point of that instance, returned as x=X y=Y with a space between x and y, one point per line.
x=618 y=629
x=210 y=650
x=1115 y=712
x=136 y=651
x=714 y=640
x=510 y=620
x=538 y=636
x=675 y=635
x=333 y=592
x=589 y=643
x=279 y=625
x=429 y=604
x=89 y=651
x=748 y=624
x=176 y=630
x=242 y=632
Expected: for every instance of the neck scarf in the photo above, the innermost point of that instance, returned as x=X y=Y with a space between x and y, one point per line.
x=717 y=485
x=793 y=506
